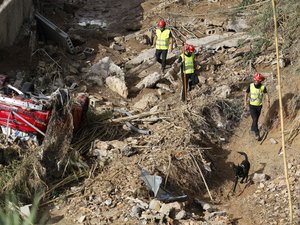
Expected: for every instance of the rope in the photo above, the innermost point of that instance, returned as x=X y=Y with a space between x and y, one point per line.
x=281 y=115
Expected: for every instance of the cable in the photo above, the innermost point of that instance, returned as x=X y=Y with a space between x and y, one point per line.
x=281 y=115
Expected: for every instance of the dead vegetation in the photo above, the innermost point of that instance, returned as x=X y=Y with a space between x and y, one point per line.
x=185 y=145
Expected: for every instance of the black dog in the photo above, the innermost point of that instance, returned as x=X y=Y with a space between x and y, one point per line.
x=242 y=170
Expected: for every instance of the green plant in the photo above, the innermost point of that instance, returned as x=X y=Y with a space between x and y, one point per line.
x=288 y=21
x=256 y=49
x=297 y=71
x=10 y=213
x=247 y=2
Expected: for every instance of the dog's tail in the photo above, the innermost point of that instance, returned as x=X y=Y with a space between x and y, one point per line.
x=244 y=154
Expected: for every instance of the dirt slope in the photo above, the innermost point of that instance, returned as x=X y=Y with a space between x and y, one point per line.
x=209 y=127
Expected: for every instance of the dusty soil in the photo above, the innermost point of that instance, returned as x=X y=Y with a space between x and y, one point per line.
x=120 y=180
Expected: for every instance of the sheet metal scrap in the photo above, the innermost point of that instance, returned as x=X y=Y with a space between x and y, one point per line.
x=54 y=33
x=153 y=183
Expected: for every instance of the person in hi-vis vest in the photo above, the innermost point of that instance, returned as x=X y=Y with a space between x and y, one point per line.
x=162 y=41
x=256 y=91
x=188 y=65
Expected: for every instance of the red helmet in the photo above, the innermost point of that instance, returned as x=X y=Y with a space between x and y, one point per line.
x=258 y=77
x=191 y=48
x=161 y=23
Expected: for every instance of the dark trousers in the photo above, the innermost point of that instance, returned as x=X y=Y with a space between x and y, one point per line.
x=255 y=113
x=189 y=83
x=161 y=57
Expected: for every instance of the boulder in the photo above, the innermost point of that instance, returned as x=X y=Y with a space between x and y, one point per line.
x=117 y=85
x=149 y=81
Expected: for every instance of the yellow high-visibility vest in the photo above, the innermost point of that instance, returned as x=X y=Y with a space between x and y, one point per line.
x=188 y=63
x=162 y=41
x=256 y=95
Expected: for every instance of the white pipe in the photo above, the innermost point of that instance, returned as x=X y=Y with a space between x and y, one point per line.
x=29 y=124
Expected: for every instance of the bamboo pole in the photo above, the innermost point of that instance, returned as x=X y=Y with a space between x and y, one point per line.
x=202 y=176
x=184 y=75
x=281 y=115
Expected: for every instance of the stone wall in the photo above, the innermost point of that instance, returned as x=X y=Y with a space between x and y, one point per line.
x=12 y=15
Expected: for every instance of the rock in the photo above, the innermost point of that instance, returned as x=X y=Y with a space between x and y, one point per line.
x=282 y=183
x=102 y=145
x=117 y=47
x=273 y=141
x=282 y=62
x=143 y=56
x=117 y=85
x=154 y=109
x=176 y=205
x=261 y=186
x=117 y=144
x=181 y=215
x=237 y=24
x=149 y=81
x=166 y=209
x=202 y=80
x=136 y=211
x=108 y=202
x=146 y=101
x=215 y=41
x=260 y=177
x=99 y=153
x=129 y=151
x=155 y=205
x=222 y=91
x=215 y=214
x=103 y=69
x=119 y=40
x=164 y=87
x=81 y=219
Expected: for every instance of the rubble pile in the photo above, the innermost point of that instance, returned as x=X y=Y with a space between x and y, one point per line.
x=136 y=121
x=271 y=197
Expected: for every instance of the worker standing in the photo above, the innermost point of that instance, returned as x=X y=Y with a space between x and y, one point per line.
x=187 y=60
x=256 y=91
x=162 y=41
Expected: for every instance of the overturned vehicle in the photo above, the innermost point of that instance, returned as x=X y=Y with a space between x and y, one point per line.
x=25 y=115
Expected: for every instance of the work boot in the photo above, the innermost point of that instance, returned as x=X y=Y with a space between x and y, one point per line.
x=257 y=137
x=162 y=70
x=190 y=86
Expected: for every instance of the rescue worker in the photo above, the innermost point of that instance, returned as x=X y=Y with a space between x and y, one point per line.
x=256 y=90
x=162 y=41
x=187 y=60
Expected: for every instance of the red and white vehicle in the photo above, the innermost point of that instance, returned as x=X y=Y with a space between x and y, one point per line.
x=28 y=117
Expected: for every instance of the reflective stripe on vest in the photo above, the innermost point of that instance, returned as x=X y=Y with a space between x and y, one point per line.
x=256 y=95
x=188 y=63
x=162 y=41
